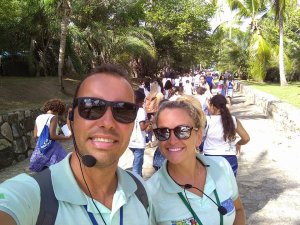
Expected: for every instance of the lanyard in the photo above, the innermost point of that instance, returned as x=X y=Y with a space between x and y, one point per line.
x=186 y=203
x=94 y=221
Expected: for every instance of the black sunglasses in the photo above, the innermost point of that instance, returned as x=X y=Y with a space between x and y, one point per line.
x=94 y=108
x=181 y=132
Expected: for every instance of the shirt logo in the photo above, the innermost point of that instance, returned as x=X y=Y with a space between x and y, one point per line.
x=189 y=221
x=228 y=204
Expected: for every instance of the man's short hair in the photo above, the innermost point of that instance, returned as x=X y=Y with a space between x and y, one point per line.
x=114 y=70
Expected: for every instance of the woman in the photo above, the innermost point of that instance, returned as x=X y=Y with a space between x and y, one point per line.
x=203 y=98
x=221 y=132
x=190 y=188
x=221 y=85
x=39 y=161
x=168 y=90
x=152 y=101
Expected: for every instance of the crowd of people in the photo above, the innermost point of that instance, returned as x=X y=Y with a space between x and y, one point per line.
x=195 y=157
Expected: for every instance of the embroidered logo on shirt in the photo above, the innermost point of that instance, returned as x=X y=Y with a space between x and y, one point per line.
x=190 y=221
x=2 y=196
x=228 y=204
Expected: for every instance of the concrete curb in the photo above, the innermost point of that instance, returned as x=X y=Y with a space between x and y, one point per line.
x=284 y=115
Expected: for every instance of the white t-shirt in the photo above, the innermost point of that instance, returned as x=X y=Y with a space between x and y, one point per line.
x=177 y=80
x=214 y=143
x=41 y=121
x=188 y=89
x=137 y=139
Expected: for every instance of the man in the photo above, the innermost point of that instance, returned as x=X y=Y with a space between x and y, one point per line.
x=89 y=186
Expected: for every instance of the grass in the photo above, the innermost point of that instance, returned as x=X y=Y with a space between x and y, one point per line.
x=20 y=93
x=289 y=94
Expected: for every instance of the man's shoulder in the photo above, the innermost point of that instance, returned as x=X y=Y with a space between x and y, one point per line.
x=20 y=179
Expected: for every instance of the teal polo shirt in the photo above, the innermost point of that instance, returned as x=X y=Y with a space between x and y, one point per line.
x=169 y=209
x=20 y=198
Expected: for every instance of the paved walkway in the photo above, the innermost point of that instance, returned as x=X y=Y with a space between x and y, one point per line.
x=268 y=177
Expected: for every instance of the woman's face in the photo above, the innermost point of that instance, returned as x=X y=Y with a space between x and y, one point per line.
x=174 y=149
x=202 y=80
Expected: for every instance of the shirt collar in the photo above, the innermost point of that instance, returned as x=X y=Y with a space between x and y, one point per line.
x=67 y=189
x=171 y=187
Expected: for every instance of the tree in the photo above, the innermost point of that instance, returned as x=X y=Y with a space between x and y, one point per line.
x=280 y=10
x=64 y=7
x=181 y=31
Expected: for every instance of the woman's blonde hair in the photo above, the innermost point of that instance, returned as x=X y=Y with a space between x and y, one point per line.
x=188 y=103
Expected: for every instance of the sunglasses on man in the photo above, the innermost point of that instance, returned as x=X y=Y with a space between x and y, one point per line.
x=181 y=132
x=94 y=108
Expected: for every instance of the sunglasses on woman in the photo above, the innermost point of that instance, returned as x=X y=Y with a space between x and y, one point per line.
x=94 y=108
x=181 y=132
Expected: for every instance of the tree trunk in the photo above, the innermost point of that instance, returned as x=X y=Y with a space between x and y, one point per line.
x=281 y=54
x=63 y=36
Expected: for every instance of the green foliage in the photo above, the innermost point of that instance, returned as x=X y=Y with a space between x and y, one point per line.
x=259 y=55
x=288 y=94
x=180 y=30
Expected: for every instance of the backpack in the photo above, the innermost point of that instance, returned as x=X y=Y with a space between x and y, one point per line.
x=44 y=142
x=151 y=104
x=49 y=203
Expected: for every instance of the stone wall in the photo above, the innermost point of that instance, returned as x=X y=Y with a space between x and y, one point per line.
x=284 y=115
x=16 y=136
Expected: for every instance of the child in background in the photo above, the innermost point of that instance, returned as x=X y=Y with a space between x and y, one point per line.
x=137 y=142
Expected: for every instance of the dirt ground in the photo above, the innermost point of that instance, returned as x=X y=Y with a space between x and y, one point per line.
x=26 y=93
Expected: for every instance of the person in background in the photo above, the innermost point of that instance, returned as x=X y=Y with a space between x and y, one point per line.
x=188 y=88
x=89 y=186
x=137 y=141
x=203 y=83
x=221 y=132
x=190 y=188
x=203 y=98
x=147 y=87
x=178 y=92
x=151 y=106
x=210 y=81
x=221 y=85
x=229 y=89
x=169 y=91
x=39 y=161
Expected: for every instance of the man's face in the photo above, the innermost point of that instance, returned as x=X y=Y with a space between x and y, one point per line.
x=105 y=138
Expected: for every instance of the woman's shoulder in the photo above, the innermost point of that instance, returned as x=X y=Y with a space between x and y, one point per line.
x=154 y=182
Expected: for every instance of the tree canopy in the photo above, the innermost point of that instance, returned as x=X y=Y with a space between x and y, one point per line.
x=147 y=36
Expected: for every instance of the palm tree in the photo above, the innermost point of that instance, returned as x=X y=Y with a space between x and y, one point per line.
x=259 y=51
x=280 y=10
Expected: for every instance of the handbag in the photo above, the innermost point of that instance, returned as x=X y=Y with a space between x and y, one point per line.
x=44 y=142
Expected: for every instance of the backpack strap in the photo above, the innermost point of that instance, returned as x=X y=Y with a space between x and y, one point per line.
x=49 y=203
x=140 y=192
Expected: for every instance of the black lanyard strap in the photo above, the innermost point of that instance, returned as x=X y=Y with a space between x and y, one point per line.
x=187 y=204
